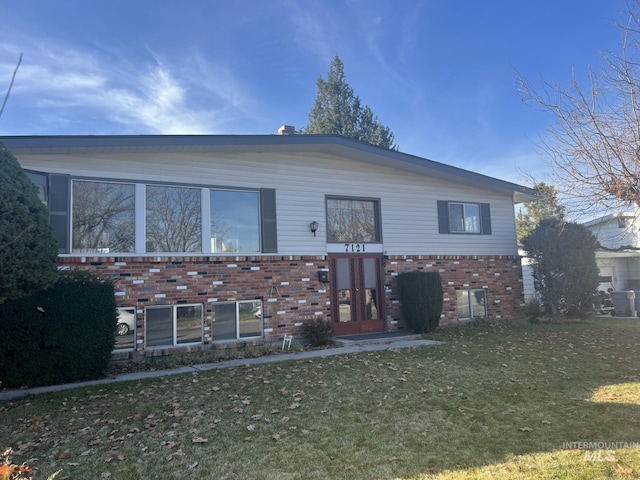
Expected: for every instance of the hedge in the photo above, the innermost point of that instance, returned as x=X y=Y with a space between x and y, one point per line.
x=62 y=334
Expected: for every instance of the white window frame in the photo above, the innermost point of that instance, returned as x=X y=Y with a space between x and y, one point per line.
x=478 y=222
x=133 y=327
x=468 y=294
x=237 y=323
x=174 y=313
x=140 y=216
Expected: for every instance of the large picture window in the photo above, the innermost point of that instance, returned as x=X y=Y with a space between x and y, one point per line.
x=235 y=320
x=353 y=220
x=119 y=217
x=103 y=217
x=170 y=325
x=235 y=221
x=173 y=219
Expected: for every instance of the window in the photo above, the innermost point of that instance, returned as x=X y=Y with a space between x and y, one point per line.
x=173 y=219
x=103 y=217
x=622 y=222
x=471 y=304
x=235 y=221
x=113 y=217
x=462 y=217
x=235 y=320
x=126 y=328
x=40 y=181
x=171 y=325
x=353 y=220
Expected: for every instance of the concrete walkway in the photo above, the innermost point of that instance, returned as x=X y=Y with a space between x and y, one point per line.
x=343 y=347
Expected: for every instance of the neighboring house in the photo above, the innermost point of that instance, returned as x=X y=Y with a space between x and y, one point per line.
x=618 y=258
x=246 y=237
x=528 y=284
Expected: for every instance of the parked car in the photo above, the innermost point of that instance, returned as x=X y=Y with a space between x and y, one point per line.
x=126 y=321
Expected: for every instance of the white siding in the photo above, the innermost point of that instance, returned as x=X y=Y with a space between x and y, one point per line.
x=408 y=201
x=611 y=235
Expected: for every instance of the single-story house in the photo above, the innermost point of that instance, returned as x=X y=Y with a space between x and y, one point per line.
x=218 y=238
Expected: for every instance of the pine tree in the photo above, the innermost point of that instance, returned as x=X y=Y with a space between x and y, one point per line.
x=337 y=110
x=28 y=250
x=546 y=207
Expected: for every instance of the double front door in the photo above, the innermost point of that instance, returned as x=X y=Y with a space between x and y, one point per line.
x=357 y=295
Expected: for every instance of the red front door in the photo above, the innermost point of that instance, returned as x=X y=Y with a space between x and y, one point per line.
x=356 y=294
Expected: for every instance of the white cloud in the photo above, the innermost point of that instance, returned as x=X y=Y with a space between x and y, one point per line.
x=57 y=82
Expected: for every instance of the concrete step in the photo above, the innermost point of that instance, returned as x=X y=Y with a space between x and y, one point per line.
x=377 y=338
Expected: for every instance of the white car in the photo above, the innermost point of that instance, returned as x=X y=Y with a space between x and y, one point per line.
x=126 y=321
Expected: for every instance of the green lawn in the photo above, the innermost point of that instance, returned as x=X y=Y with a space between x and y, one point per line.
x=493 y=401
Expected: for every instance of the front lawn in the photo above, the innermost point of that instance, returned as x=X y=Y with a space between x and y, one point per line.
x=493 y=401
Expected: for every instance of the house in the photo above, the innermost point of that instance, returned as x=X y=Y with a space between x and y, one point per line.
x=618 y=257
x=222 y=238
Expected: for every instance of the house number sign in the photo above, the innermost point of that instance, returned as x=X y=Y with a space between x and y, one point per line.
x=354 y=247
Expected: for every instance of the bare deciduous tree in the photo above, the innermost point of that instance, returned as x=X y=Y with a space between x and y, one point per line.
x=594 y=144
x=173 y=219
x=103 y=217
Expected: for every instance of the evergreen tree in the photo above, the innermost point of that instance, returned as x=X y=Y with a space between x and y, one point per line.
x=28 y=250
x=337 y=110
x=565 y=272
x=546 y=207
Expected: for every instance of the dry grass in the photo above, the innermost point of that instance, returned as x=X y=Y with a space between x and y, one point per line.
x=494 y=401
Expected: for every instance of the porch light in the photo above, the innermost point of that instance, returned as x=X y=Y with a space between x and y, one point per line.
x=314 y=227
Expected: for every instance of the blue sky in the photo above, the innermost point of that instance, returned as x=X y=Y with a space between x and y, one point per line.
x=439 y=73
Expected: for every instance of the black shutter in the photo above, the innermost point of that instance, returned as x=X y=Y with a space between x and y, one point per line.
x=59 y=191
x=443 y=216
x=485 y=218
x=268 y=220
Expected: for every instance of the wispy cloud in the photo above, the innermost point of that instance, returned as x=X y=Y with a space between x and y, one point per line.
x=316 y=26
x=57 y=82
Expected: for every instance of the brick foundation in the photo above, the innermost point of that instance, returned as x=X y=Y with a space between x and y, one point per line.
x=289 y=287
x=499 y=276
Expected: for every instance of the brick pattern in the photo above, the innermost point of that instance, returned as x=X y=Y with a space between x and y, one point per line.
x=499 y=276
x=289 y=287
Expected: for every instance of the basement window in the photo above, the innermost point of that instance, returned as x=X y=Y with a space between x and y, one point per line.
x=173 y=325
x=236 y=320
x=471 y=304
x=125 y=329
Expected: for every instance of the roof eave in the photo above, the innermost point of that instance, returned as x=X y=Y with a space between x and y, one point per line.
x=327 y=144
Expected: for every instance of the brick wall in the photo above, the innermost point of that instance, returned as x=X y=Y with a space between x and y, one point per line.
x=289 y=287
x=499 y=276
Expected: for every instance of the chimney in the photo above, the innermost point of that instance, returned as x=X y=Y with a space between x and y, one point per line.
x=287 y=130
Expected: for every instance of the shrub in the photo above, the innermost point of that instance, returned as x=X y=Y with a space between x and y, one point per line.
x=63 y=334
x=565 y=271
x=319 y=332
x=421 y=299
x=533 y=311
x=28 y=250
